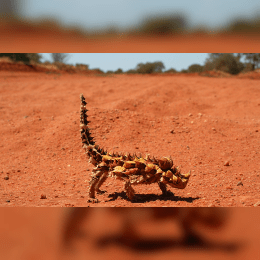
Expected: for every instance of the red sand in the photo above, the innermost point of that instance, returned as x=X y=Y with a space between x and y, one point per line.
x=36 y=233
x=202 y=122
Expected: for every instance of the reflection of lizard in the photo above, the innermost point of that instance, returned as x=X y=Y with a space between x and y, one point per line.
x=189 y=219
x=132 y=169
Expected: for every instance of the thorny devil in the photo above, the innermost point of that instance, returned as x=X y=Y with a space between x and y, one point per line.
x=132 y=169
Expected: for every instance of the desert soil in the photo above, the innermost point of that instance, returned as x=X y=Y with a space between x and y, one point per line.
x=208 y=125
x=36 y=233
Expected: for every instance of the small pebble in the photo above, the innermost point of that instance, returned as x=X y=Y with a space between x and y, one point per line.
x=226 y=163
x=240 y=183
x=43 y=196
x=190 y=114
x=7 y=200
x=172 y=131
x=6 y=177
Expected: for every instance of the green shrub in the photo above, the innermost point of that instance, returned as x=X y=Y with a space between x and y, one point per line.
x=59 y=57
x=131 y=71
x=163 y=24
x=81 y=66
x=150 y=67
x=110 y=72
x=244 y=25
x=34 y=57
x=171 y=70
x=226 y=62
x=99 y=71
x=195 y=68
x=119 y=71
x=253 y=58
x=23 y=57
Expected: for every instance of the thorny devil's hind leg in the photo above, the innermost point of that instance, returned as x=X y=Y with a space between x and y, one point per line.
x=130 y=193
x=98 y=178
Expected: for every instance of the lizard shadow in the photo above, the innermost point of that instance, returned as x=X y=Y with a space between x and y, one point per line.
x=150 y=245
x=143 y=198
x=191 y=238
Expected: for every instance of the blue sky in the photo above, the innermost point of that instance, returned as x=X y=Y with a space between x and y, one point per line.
x=124 y=13
x=126 y=61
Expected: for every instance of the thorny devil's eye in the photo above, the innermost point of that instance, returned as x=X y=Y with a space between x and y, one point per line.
x=131 y=169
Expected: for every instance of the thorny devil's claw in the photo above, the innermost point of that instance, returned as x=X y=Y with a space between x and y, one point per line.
x=132 y=169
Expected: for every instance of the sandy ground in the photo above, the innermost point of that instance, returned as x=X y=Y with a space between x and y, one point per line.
x=208 y=125
x=37 y=233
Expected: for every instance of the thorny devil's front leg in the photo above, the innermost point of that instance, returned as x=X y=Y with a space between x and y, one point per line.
x=131 y=169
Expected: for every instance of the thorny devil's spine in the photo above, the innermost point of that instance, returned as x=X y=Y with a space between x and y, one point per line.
x=132 y=169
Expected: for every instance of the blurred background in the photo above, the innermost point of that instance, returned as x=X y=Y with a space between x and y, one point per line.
x=119 y=20
x=129 y=233
x=148 y=16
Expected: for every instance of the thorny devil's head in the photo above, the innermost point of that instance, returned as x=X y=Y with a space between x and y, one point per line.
x=132 y=169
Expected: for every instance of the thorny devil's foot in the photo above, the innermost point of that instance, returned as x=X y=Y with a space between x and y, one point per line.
x=132 y=169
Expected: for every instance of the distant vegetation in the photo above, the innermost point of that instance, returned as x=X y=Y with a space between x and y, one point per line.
x=195 y=68
x=119 y=71
x=153 y=25
x=163 y=25
x=171 y=70
x=226 y=62
x=253 y=59
x=26 y=58
x=231 y=63
x=244 y=25
x=81 y=66
x=59 y=57
x=149 y=67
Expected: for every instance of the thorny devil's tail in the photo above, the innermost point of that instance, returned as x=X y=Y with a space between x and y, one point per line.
x=132 y=169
